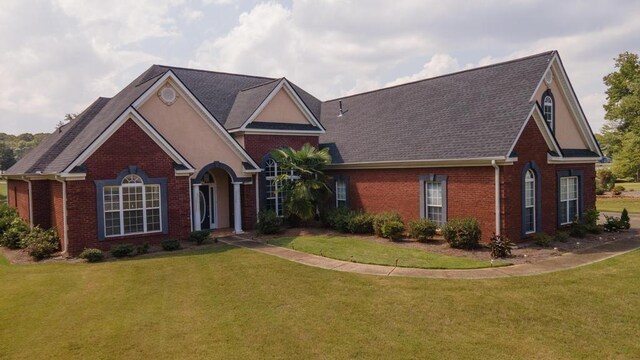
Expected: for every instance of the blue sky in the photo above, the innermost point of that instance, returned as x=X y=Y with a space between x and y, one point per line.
x=57 y=56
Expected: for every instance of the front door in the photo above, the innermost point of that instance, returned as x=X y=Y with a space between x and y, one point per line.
x=208 y=207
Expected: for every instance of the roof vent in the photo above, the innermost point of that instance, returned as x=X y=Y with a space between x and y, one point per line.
x=168 y=95
x=341 y=112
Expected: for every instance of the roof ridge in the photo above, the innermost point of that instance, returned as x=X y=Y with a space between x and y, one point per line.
x=259 y=85
x=214 y=72
x=446 y=75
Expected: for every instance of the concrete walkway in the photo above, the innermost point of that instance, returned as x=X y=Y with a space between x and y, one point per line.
x=558 y=263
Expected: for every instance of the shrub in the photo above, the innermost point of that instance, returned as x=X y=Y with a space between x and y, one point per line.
x=618 y=189
x=613 y=224
x=624 y=219
x=360 y=223
x=605 y=180
x=14 y=235
x=462 y=233
x=600 y=191
x=562 y=236
x=578 y=230
x=199 y=237
x=41 y=243
x=423 y=229
x=170 y=245
x=92 y=255
x=338 y=219
x=591 y=221
x=122 y=250
x=142 y=249
x=500 y=246
x=392 y=229
x=382 y=218
x=7 y=216
x=542 y=239
x=268 y=222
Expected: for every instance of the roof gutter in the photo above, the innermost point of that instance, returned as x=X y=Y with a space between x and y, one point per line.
x=488 y=161
x=497 y=196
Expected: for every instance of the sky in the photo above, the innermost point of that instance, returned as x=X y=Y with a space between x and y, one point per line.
x=58 y=56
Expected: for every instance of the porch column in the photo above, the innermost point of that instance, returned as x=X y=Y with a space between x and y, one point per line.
x=196 y=206
x=237 y=209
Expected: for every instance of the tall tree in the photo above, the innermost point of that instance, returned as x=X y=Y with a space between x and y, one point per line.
x=621 y=133
x=7 y=157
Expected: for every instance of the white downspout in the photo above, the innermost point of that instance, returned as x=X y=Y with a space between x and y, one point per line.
x=65 y=237
x=30 y=202
x=497 y=196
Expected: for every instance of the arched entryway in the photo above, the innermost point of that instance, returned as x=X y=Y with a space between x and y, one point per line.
x=216 y=198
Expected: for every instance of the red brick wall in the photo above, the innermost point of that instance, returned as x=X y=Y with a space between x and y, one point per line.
x=40 y=190
x=18 y=196
x=258 y=146
x=127 y=146
x=470 y=192
x=532 y=147
x=57 y=209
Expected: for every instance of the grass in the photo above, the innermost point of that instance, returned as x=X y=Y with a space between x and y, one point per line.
x=366 y=252
x=3 y=191
x=630 y=186
x=616 y=204
x=235 y=303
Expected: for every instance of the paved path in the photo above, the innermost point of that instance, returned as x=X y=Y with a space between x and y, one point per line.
x=558 y=263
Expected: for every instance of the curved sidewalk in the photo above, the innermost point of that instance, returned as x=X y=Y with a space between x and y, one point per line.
x=558 y=263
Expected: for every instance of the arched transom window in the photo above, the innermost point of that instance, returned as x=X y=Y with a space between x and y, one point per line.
x=132 y=207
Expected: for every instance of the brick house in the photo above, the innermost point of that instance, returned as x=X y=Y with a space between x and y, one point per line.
x=181 y=149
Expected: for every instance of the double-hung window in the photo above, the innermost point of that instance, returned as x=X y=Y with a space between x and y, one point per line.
x=132 y=207
x=530 y=202
x=275 y=195
x=341 y=193
x=568 y=199
x=434 y=196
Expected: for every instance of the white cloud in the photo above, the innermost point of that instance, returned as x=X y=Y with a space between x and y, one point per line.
x=192 y=14
x=438 y=65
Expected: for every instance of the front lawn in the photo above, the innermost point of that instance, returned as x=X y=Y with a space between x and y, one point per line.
x=366 y=252
x=616 y=204
x=230 y=303
x=631 y=186
x=3 y=191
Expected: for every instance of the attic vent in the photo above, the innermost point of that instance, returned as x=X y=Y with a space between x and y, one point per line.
x=168 y=95
x=548 y=77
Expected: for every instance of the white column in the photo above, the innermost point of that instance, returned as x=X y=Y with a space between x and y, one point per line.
x=237 y=209
x=196 y=207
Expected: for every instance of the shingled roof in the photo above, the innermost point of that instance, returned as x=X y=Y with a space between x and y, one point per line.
x=469 y=114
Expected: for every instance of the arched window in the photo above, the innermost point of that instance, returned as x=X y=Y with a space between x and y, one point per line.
x=274 y=193
x=547 y=110
x=530 y=202
x=132 y=207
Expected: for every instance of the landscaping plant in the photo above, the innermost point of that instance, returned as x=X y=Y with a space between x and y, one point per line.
x=380 y=219
x=618 y=189
x=500 y=246
x=40 y=244
x=7 y=216
x=462 y=233
x=14 y=235
x=542 y=239
x=562 y=236
x=338 y=219
x=122 y=250
x=392 y=230
x=624 y=219
x=590 y=218
x=142 y=249
x=92 y=255
x=613 y=224
x=269 y=222
x=360 y=222
x=423 y=229
x=170 y=245
x=578 y=230
x=199 y=237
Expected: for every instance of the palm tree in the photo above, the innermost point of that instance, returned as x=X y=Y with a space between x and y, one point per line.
x=302 y=179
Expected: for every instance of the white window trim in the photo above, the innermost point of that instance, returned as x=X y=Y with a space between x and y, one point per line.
x=121 y=209
x=567 y=215
x=551 y=106
x=427 y=205
x=531 y=181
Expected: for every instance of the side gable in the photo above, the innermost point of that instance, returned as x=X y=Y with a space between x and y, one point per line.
x=282 y=109
x=572 y=129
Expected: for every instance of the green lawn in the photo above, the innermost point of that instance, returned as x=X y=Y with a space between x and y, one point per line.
x=617 y=204
x=630 y=186
x=366 y=252
x=234 y=303
x=3 y=191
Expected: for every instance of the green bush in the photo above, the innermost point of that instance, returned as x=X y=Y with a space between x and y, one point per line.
x=542 y=239
x=500 y=246
x=600 y=191
x=269 y=222
x=170 y=245
x=618 y=189
x=40 y=244
x=142 y=249
x=562 y=236
x=338 y=219
x=393 y=230
x=578 y=230
x=199 y=237
x=613 y=224
x=122 y=250
x=590 y=218
x=624 y=219
x=605 y=180
x=92 y=255
x=462 y=233
x=7 y=216
x=360 y=223
x=423 y=229
x=13 y=237
x=380 y=219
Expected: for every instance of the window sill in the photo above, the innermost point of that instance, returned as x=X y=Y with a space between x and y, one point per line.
x=138 y=234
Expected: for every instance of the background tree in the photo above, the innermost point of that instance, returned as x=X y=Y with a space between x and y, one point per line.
x=621 y=134
x=309 y=188
x=7 y=157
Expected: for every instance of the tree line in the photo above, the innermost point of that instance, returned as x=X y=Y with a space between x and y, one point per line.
x=13 y=147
